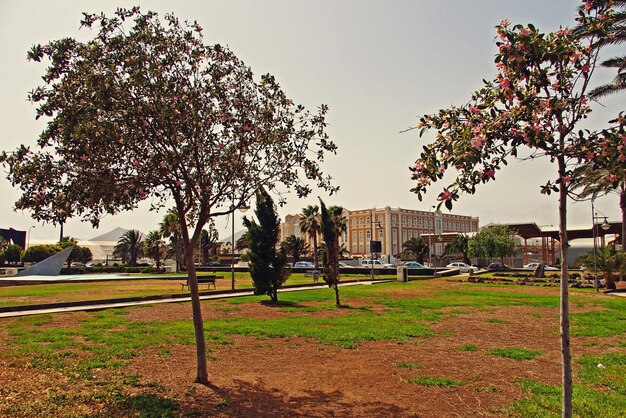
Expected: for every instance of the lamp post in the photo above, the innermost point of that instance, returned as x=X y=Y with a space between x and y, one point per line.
x=242 y=209
x=605 y=226
x=28 y=238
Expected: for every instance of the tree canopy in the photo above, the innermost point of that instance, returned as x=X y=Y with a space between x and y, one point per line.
x=147 y=110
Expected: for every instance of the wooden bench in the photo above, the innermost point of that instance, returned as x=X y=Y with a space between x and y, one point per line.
x=208 y=280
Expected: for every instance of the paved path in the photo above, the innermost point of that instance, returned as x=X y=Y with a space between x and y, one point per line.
x=107 y=305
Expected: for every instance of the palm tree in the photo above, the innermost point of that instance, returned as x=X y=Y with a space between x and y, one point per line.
x=593 y=182
x=416 y=247
x=129 y=247
x=608 y=261
x=332 y=223
x=616 y=23
x=153 y=247
x=295 y=247
x=310 y=225
x=170 y=228
x=459 y=245
x=243 y=242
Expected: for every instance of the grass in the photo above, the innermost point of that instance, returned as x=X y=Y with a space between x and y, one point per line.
x=469 y=347
x=440 y=382
x=109 y=340
x=516 y=353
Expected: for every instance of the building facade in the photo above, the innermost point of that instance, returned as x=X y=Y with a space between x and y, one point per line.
x=392 y=227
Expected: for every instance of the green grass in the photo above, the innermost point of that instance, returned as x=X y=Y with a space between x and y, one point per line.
x=545 y=401
x=612 y=376
x=441 y=382
x=469 y=347
x=497 y=321
x=408 y=365
x=516 y=353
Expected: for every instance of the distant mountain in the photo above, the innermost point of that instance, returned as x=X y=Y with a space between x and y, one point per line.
x=238 y=235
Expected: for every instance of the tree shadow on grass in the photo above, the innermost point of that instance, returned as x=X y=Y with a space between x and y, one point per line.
x=246 y=399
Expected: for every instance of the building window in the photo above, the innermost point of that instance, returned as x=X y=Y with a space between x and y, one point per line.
x=403 y=220
x=360 y=221
x=380 y=220
x=368 y=235
x=393 y=220
x=368 y=222
x=380 y=235
x=353 y=221
x=353 y=236
x=421 y=223
x=410 y=222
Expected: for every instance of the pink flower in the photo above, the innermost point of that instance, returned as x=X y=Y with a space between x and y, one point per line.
x=423 y=181
x=576 y=56
x=445 y=195
x=585 y=68
x=590 y=155
x=524 y=32
x=566 y=179
x=504 y=22
x=611 y=178
x=474 y=109
x=588 y=5
x=136 y=163
x=442 y=169
x=489 y=174
x=505 y=83
x=478 y=141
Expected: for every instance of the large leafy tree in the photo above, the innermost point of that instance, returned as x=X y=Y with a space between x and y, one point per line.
x=459 y=245
x=11 y=253
x=332 y=224
x=147 y=110
x=295 y=247
x=607 y=28
x=129 y=247
x=170 y=228
x=153 y=246
x=416 y=247
x=268 y=261
x=310 y=225
x=530 y=109
x=493 y=241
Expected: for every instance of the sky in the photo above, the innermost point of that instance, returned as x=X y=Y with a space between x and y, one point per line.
x=378 y=65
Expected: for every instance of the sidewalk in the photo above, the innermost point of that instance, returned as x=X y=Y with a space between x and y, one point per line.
x=26 y=310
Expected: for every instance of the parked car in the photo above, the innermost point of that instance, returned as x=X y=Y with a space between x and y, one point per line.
x=497 y=267
x=304 y=265
x=463 y=267
x=376 y=263
x=533 y=266
x=78 y=264
x=414 y=265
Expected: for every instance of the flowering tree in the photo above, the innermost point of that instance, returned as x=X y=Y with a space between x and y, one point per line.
x=151 y=112
x=532 y=107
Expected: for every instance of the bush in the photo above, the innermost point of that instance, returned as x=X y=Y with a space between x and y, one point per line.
x=148 y=269
x=133 y=269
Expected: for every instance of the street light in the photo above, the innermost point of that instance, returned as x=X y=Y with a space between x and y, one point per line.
x=28 y=238
x=242 y=209
x=605 y=226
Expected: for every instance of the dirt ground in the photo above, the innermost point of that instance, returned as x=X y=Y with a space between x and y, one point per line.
x=287 y=377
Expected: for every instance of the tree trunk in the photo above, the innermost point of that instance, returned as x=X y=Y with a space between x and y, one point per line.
x=566 y=354
x=315 y=261
x=336 y=286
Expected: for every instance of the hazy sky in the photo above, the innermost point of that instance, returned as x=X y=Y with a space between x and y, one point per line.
x=378 y=65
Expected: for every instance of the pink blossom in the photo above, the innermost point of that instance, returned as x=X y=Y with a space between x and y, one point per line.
x=621 y=158
x=588 y=5
x=611 y=178
x=624 y=139
x=575 y=57
x=179 y=183
x=504 y=22
x=566 y=179
x=136 y=163
x=590 y=155
x=474 y=109
x=585 y=68
x=445 y=195
x=524 y=32
x=419 y=167
x=423 y=180
x=442 y=169
x=603 y=16
x=505 y=83
x=478 y=141
x=489 y=173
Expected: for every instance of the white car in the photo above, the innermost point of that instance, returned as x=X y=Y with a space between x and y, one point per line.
x=304 y=265
x=375 y=263
x=463 y=268
x=533 y=266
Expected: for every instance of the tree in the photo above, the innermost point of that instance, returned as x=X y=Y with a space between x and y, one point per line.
x=170 y=228
x=416 y=247
x=533 y=107
x=153 y=247
x=11 y=253
x=37 y=253
x=295 y=247
x=243 y=242
x=310 y=225
x=268 y=265
x=208 y=242
x=606 y=169
x=147 y=110
x=608 y=28
x=459 y=245
x=606 y=260
x=332 y=224
x=493 y=241
x=129 y=247
x=77 y=251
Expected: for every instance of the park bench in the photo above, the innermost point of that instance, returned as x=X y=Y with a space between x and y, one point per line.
x=208 y=280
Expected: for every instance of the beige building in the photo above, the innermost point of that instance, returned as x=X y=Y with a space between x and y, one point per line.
x=393 y=227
